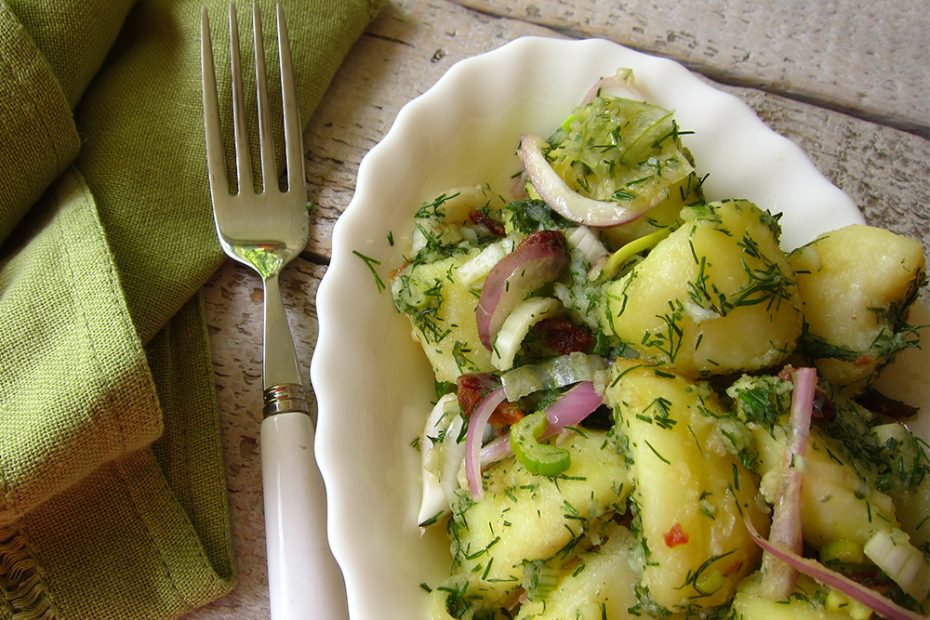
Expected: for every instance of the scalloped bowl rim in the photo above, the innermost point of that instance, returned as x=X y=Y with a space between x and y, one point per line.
x=372 y=383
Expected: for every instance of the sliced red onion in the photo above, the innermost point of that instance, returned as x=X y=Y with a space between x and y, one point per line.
x=571 y=408
x=567 y=202
x=824 y=575
x=779 y=579
x=496 y=450
x=539 y=259
x=574 y=406
x=518 y=189
x=476 y=424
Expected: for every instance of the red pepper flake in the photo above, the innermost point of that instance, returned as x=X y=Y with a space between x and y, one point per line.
x=733 y=568
x=675 y=536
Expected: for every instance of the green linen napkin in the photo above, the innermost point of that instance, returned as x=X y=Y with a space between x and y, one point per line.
x=112 y=488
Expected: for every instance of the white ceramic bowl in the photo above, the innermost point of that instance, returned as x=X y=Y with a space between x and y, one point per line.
x=373 y=384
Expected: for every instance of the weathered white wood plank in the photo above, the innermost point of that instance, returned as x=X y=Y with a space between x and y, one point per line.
x=872 y=58
x=883 y=170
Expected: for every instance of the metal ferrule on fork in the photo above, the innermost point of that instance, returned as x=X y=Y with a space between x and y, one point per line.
x=285 y=398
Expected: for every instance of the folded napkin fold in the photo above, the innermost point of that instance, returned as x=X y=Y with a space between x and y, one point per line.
x=112 y=484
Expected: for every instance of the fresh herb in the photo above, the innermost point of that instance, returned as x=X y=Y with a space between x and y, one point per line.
x=765 y=283
x=371 y=263
x=761 y=400
x=460 y=352
x=646 y=605
x=527 y=216
x=704 y=580
x=433 y=209
x=656 y=452
x=667 y=341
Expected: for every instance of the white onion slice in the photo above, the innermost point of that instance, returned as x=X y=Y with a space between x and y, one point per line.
x=517 y=326
x=476 y=423
x=584 y=240
x=892 y=551
x=441 y=460
x=779 y=578
x=476 y=269
x=824 y=575
x=567 y=202
x=554 y=373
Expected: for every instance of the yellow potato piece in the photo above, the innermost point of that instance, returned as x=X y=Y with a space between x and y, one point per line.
x=600 y=586
x=716 y=296
x=524 y=516
x=750 y=604
x=690 y=492
x=855 y=284
x=441 y=311
x=836 y=504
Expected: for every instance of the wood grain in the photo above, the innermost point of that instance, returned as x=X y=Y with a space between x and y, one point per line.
x=412 y=44
x=869 y=58
x=848 y=82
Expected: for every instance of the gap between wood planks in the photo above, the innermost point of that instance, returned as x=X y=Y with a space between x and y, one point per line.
x=908 y=126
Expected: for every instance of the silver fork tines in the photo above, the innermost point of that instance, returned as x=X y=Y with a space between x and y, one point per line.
x=266 y=229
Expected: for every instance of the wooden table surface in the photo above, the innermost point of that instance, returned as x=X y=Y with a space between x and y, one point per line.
x=847 y=80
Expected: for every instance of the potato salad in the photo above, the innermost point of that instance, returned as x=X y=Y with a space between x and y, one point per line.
x=645 y=407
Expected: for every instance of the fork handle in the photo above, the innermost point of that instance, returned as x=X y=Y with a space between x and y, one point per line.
x=304 y=579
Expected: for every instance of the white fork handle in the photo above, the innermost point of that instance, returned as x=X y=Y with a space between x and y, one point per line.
x=304 y=579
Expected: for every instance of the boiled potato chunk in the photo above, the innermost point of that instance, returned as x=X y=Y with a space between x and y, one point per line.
x=856 y=284
x=910 y=486
x=836 y=503
x=690 y=491
x=441 y=311
x=808 y=603
x=600 y=586
x=527 y=517
x=716 y=296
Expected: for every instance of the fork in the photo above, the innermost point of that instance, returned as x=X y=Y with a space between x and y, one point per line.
x=265 y=230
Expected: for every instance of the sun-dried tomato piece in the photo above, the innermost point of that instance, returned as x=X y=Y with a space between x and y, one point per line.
x=480 y=217
x=563 y=337
x=473 y=387
x=506 y=415
x=876 y=402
